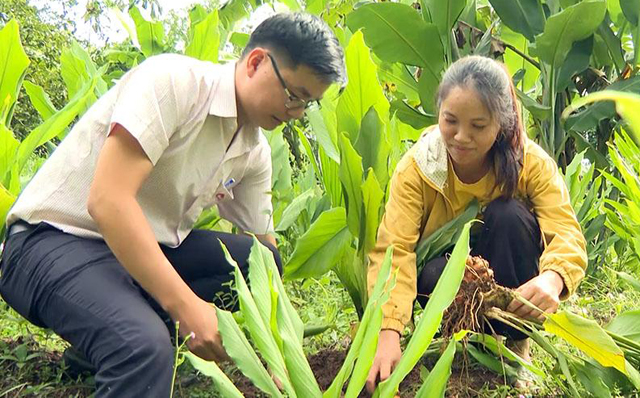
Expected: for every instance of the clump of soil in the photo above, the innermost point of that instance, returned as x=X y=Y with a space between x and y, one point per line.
x=478 y=293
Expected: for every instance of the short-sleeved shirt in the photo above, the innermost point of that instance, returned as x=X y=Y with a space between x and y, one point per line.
x=183 y=113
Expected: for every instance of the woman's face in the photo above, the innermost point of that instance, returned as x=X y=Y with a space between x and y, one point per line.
x=468 y=130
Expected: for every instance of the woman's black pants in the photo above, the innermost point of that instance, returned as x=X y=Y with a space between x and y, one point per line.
x=77 y=288
x=510 y=240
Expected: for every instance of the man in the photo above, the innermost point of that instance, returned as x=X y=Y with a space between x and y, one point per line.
x=100 y=247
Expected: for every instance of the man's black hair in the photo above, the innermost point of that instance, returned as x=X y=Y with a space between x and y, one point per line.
x=303 y=39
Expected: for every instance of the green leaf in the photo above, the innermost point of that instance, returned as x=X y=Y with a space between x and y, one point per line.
x=539 y=111
x=297 y=206
x=240 y=350
x=351 y=175
x=13 y=66
x=6 y=201
x=436 y=383
x=633 y=282
x=373 y=308
x=373 y=146
x=204 y=38
x=588 y=336
x=239 y=39
x=373 y=197
x=577 y=60
x=572 y=24
x=77 y=70
x=318 y=250
x=281 y=173
x=396 y=33
x=260 y=331
x=219 y=378
x=523 y=16
x=442 y=296
x=8 y=150
x=410 y=115
x=500 y=350
x=627 y=325
x=631 y=10
x=324 y=137
x=516 y=62
x=363 y=90
x=399 y=76
x=150 y=34
x=444 y=15
x=40 y=100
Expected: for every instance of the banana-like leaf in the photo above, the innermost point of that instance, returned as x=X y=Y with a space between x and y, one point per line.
x=576 y=61
x=40 y=100
x=78 y=69
x=373 y=309
x=363 y=90
x=516 y=62
x=588 y=336
x=396 y=33
x=324 y=137
x=633 y=282
x=6 y=201
x=264 y=341
x=572 y=24
x=204 y=38
x=351 y=175
x=446 y=236
x=501 y=350
x=240 y=350
x=373 y=146
x=318 y=250
x=627 y=325
x=373 y=197
x=221 y=381
x=398 y=77
x=523 y=16
x=281 y=180
x=331 y=178
x=150 y=34
x=8 y=150
x=436 y=383
x=444 y=15
x=631 y=11
x=297 y=206
x=13 y=66
x=491 y=362
x=443 y=295
x=627 y=105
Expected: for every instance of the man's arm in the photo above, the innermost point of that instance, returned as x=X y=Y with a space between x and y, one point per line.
x=121 y=169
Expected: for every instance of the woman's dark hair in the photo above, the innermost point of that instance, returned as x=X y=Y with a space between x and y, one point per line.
x=491 y=80
x=302 y=39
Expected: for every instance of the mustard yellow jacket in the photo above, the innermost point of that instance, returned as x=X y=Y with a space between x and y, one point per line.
x=419 y=203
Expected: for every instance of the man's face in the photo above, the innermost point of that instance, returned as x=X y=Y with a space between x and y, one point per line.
x=278 y=93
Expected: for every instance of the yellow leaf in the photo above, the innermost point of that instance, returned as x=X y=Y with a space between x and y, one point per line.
x=6 y=201
x=588 y=336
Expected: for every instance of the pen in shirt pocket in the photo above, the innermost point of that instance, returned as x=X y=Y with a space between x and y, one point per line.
x=229 y=183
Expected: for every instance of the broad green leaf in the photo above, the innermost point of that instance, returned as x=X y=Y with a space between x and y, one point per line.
x=56 y=124
x=260 y=332
x=318 y=250
x=150 y=34
x=631 y=10
x=436 y=383
x=40 y=100
x=13 y=66
x=204 y=38
x=491 y=362
x=500 y=350
x=590 y=117
x=626 y=325
x=352 y=272
x=444 y=15
x=396 y=33
x=8 y=150
x=588 y=336
x=411 y=116
x=331 y=178
x=281 y=173
x=351 y=176
x=373 y=200
x=374 y=305
x=291 y=213
x=373 y=146
x=613 y=43
x=219 y=378
x=363 y=90
x=627 y=105
x=442 y=296
x=326 y=139
x=523 y=16
x=515 y=61
x=293 y=5
x=239 y=39
x=539 y=111
x=572 y=24
x=240 y=350
x=428 y=88
x=77 y=70
x=6 y=201
x=398 y=77
x=576 y=61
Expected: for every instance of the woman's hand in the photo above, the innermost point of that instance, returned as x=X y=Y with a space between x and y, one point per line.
x=543 y=291
x=387 y=357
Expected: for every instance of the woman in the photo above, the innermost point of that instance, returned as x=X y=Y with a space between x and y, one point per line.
x=479 y=149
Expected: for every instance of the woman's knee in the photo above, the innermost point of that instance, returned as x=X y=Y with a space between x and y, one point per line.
x=506 y=213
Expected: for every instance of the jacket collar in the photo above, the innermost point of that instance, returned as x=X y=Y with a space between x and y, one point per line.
x=431 y=157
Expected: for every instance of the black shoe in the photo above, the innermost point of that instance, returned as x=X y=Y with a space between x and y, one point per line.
x=76 y=363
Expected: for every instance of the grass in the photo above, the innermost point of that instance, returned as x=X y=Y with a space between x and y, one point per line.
x=30 y=357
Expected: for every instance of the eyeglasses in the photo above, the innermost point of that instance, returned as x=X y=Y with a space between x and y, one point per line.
x=293 y=102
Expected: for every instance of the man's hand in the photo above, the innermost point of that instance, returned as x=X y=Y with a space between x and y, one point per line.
x=199 y=318
x=543 y=291
x=387 y=357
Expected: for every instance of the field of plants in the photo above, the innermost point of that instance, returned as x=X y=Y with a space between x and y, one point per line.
x=313 y=331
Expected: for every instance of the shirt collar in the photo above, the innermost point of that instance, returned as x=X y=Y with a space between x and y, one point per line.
x=224 y=105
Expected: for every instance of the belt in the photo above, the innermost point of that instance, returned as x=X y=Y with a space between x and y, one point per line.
x=19 y=226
